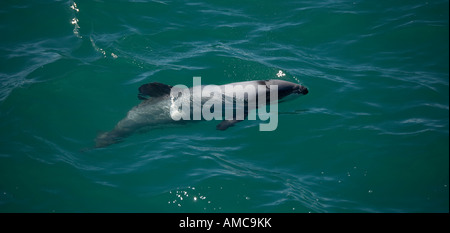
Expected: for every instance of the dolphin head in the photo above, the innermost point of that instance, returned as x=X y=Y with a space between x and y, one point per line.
x=286 y=88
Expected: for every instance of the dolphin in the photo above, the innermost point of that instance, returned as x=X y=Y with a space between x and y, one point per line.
x=156 y=108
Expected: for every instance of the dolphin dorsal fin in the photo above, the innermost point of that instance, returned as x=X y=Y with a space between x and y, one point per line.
x=154 y=89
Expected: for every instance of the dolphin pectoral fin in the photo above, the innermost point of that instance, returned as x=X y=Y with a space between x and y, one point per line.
x=154 y=89
x=225 y=124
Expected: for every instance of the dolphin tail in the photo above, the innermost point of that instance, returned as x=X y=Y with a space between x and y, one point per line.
x=108 y=138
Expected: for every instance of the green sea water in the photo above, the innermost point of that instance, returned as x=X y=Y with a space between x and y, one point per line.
x=371 y=136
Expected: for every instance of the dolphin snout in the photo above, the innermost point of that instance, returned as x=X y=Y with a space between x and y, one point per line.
x=302 y=90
